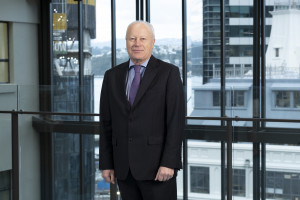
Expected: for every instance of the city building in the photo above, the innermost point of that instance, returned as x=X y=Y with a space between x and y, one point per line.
x=239 y=37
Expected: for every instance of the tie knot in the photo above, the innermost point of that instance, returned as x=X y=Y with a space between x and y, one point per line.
x=137 y=68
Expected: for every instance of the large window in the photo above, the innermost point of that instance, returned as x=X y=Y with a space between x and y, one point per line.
x=203 y=66
x=4 y=65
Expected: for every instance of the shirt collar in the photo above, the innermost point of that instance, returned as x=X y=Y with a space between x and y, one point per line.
x=144 y=64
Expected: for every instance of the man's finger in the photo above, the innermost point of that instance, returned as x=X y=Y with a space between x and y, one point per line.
x=112 y=178
x=164 y=174
x=109 y=176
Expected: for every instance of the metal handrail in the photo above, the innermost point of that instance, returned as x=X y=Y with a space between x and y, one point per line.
x=47 y=113
x=15 y=142
x=229 y=139
x=245 y=119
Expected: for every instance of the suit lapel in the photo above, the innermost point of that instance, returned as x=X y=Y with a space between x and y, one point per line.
x=122 y=76
x=150 y=73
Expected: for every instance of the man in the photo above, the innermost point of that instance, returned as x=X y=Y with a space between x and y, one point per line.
x=142 y=120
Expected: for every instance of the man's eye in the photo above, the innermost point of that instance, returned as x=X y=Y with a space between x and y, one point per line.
x=132 y=39
x=143 y=39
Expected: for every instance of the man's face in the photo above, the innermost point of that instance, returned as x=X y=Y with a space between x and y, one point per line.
x=139 y=43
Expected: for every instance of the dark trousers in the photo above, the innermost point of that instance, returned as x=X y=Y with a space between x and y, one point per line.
x=132 y=189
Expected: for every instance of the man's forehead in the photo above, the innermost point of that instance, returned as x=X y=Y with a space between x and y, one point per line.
x=139 y=34
x=139 y=28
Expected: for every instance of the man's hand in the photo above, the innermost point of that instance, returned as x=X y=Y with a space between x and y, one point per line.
x=164 y=174
x=109 y=175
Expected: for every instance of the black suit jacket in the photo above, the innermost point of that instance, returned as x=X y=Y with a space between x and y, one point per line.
x=148 y=134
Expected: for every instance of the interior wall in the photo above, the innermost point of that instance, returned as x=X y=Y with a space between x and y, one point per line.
x=22 y=92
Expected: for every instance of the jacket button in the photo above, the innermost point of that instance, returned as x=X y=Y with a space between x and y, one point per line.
x=130 y=140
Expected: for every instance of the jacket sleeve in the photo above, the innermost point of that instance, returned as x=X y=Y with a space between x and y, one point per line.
x=175 y=120
x=106 y=149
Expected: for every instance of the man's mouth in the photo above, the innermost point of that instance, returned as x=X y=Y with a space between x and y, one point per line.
x=137 y=50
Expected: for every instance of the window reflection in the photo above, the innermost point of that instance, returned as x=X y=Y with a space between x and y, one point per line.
x=73 y=81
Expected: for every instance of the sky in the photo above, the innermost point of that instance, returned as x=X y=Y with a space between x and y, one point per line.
x=165 y=17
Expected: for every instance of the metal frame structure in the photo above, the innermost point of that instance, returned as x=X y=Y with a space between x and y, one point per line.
x=46 y=126
x=222 y=133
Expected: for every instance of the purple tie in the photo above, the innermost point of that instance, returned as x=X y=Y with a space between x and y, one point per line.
x=135 y=83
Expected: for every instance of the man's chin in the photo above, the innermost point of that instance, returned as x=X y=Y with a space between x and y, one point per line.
x=137 y=60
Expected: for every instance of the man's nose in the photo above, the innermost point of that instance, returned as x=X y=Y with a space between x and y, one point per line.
x=137 y=42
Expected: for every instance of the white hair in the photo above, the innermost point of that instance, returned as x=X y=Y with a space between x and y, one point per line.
x=147 y=24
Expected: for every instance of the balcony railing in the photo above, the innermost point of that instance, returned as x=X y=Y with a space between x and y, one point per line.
x=43 y=122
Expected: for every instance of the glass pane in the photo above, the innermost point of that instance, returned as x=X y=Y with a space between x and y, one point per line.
x=203 y=61
x=282 y=172
x=3 y=41
x=68 y=96
x=5 y=143
x=101 y=48
x=204 y=170
x=89 y=33
x=73 y=93
x=167 y=24
x=242 y=170
x=8 y=97
x=101 y=61
x=102 y=188
x=5 y=185
x=65 y=57
x=3 y=72
x=238 y=62
x=125 y=14
x=282 y=63
x=66 y=166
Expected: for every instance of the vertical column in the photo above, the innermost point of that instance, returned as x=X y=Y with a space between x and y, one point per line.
x=229 y=160
x=15 y=155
